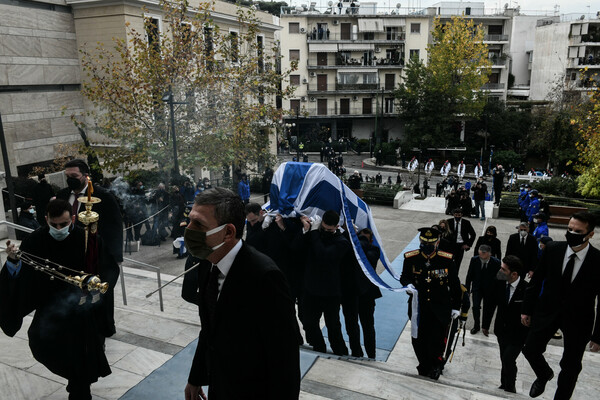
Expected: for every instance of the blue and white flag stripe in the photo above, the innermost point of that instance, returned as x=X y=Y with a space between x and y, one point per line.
x=311 y=189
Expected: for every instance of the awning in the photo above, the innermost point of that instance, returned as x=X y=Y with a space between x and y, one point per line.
x=356 y=46
x=394 y=22
x=323 y=47
x=370 y=25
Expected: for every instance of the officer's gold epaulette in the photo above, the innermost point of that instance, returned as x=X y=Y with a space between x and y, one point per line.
x=444 y=254
x=411 y=253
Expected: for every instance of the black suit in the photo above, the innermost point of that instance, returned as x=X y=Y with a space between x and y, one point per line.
x=508 y=329
x=252 y=351
x=468 y=236
x=110 y=225
x=528 y=254
x=573 y=310
x=479 y=282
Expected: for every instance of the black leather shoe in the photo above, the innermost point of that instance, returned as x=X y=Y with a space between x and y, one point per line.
x=538 y=386
x=501 y=387
x=435 y=374
x=474 y=331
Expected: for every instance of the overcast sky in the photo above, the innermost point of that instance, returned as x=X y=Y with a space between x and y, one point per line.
x=583 y=7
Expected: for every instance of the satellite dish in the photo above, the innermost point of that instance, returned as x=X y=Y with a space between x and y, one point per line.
x=582 y=17
x=398 y=5
x=505 y=6
x=330 y=3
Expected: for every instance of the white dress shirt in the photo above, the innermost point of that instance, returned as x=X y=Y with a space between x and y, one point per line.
x=579 y=257
x=513 y=287
x=226 y=262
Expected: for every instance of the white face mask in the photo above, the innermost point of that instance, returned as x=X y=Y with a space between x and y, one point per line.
x=59 y=234
x=523 y=233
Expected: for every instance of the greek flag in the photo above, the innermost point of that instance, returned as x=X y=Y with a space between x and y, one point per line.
x=311 y=189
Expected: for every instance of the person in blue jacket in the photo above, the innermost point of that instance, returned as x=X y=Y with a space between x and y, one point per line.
x=533 y=208
x=524 y=202
x=244 y=189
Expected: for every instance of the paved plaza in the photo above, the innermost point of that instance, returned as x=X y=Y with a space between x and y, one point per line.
x=150 y=353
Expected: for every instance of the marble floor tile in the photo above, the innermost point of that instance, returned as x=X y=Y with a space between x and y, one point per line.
x=15 y=352
x=17 y=384
x=116 y=384
x=40 y=370
x=142 y=361
x=116 y=350
x=310 y=396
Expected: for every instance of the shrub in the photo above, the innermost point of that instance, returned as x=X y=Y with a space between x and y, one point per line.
x=380 y=194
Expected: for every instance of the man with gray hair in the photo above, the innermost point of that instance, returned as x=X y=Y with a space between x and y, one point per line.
x=480 y=278
x=248 y=345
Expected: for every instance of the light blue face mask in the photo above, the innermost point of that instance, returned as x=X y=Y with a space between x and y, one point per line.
x=32 y=210
x=59 y=234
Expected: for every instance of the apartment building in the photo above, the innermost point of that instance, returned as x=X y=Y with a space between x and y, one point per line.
x=349 y=63
x=568 y=54
x=40 y=72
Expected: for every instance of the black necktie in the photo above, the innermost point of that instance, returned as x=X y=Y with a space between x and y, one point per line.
x=75 y=205
x=507 y=293
x=522 y=242
x=484 y=265
x=568 y=274
x=212 y=293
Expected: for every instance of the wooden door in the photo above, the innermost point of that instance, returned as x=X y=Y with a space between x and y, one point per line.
x=344 y=106
x=321 y=106
x=322 y=82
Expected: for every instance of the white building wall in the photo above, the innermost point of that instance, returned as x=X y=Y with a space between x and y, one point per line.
x=549 y=58
x=522 y=41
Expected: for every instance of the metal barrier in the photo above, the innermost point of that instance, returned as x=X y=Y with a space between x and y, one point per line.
x=138 y=264
x=147 y=267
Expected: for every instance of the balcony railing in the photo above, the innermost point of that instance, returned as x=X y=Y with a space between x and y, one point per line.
x=593 y=37
x=311 y=110
x=379 y=37
x=493 y=86
x=495 y=38
x=498 y=61
x=351 y=87
x=315 y=62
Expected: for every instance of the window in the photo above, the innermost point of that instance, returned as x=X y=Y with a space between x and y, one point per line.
x=294 y=27
x=367 y=105
x=152 y=26
x=186 y=34
x=495 y=30
x=233 y=40
x=391 y=33
x=208 y=41
x=369 y=36
x=344 y=106
x=294 y=80
x=415 y=28
x=414 y=53
x=259 y=53
x=389 y=105
x=370 y=78
x=294 y=55
x=294 y=105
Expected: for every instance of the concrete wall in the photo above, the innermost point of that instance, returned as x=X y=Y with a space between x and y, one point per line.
x=549 y=58
x=523 y=39
x=37 y=53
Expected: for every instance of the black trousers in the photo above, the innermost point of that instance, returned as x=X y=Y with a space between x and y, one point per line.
x=79 y=390
x=458 y=255
x=575 y=343
x=430 y=344
x=329 y=306
x=477 y=297
x=508 y=356
x=350 y=310
x=366 y=311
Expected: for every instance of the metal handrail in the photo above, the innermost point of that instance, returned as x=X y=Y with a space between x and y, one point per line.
x=17 y=226
x=147 y=267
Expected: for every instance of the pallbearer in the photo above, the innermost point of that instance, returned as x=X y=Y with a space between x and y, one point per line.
x=433 y=273
x=68 y=279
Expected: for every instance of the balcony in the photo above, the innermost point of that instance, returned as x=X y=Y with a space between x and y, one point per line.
x=349 y=37
x=498 y=62
x=495 y=38
x=592 y=37
x=311 y=111
x=314 y=88
x=314 y=62
x=493 y=86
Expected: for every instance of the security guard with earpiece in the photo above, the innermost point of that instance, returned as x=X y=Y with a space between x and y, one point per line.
x=432 y=273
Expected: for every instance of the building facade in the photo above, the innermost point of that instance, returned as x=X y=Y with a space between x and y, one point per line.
x=40 y=72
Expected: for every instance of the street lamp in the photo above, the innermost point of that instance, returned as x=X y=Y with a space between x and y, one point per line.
x=168 y=98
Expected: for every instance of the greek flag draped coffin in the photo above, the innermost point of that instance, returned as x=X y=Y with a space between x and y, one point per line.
x=311 y=189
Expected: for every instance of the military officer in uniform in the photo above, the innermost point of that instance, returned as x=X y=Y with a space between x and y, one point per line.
x=433 y=274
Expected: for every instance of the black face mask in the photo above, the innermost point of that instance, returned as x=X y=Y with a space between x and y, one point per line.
x=427 y=248
x=74 y=184
x=575 y=239
x=457 y=219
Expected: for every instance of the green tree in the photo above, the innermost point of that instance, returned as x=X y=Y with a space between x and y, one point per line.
x=433 y=97
x=588 y=126
x=554 y=136
x=224 y=85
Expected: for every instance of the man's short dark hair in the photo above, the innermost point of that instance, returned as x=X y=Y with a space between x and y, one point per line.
x=331 y=218
x=229 y=208
x=586 y=217
x=513 y=263
x=253 y=208
x=57 y=207
x=492 y=230
x=78 y=163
